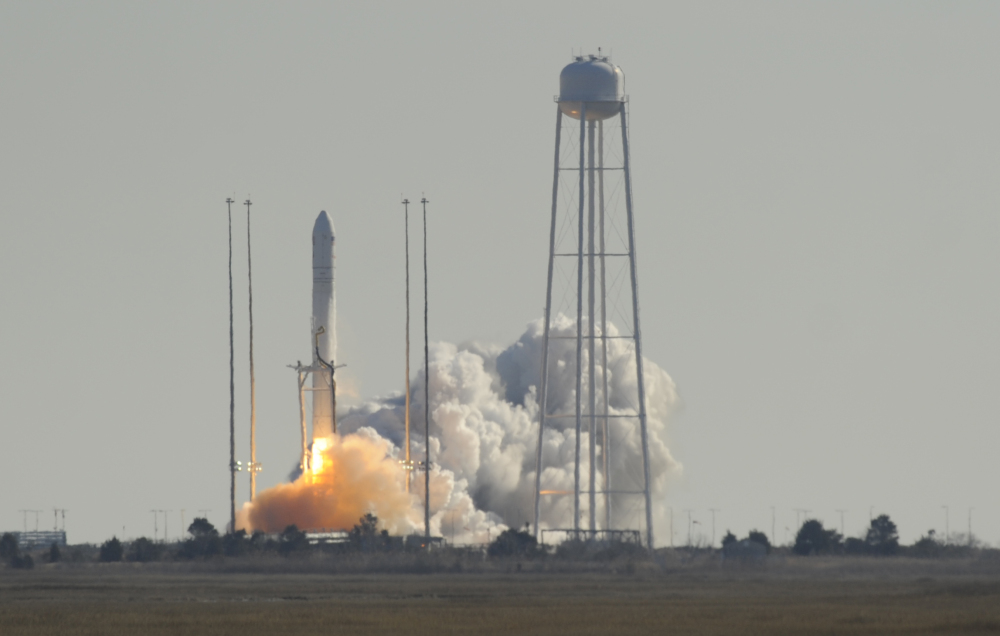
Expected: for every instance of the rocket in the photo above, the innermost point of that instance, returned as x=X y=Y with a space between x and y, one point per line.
x=324 y=325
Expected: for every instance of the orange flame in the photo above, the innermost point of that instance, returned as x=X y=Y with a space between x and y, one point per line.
x=350 y=476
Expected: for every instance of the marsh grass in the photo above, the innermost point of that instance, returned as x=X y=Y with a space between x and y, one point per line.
x=666 y=595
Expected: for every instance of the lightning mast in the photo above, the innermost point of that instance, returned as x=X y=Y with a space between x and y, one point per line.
x=407 y=463
x=254 y=467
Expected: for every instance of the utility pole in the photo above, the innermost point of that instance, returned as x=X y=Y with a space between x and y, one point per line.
x=799 y=512
x=689 y=511
x=25 y=513
x=156 y=529
x=970 y=526
x=671 y=509
x=947 y=529
x=713 y=511
x=841 y=521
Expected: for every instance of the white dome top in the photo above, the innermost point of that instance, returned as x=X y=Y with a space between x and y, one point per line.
x=588 y=80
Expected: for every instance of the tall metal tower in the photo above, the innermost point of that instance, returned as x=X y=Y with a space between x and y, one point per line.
x=591 y=256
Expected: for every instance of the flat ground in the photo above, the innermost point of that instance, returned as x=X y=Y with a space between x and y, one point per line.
x=785 y=596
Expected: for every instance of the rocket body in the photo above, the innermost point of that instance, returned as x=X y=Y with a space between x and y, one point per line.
x=324 y=314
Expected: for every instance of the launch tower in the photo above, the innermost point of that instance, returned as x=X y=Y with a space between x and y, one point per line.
x=592 y=298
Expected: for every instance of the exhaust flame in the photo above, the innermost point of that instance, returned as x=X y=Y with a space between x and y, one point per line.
x=350 y=475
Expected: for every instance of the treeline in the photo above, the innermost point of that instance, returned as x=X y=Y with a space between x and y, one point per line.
x=880 y=539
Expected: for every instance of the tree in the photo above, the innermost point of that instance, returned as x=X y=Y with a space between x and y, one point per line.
x=514 y=543
x=200 y=528
x=111 y=550
x=8 y=547
x=928 y=546
x=366 y=536
x=235 y=543
x=759 y=537
x=813 y=538
x=292 y=540
x=54 y=554
x=729 y=538
x=882 y=537
x=143 y=550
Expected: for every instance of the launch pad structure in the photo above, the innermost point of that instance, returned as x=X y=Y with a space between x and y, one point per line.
x=592 y=92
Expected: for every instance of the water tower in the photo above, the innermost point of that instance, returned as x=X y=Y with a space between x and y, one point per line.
x=591 y=303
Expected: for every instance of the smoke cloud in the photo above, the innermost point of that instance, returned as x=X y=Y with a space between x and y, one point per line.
x=483 y=435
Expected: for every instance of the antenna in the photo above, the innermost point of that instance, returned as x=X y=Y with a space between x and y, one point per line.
x=232 y=383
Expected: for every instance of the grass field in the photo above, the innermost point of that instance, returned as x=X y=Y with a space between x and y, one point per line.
x=785 y=596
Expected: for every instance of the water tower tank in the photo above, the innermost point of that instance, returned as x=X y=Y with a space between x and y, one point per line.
x=593 y=80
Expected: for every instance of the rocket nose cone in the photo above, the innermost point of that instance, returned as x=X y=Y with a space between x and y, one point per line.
x=323 y=224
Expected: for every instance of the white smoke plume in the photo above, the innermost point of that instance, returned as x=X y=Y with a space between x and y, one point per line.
x=484 y=431
x=483 y=435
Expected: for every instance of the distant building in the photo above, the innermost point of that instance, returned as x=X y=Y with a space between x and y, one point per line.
x=40 y=539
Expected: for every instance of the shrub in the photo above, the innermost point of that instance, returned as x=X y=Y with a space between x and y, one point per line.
x=54 y=554
x=22 y=562
x=516 y=543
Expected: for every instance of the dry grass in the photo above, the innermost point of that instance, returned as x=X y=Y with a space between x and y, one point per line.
x=793 y=596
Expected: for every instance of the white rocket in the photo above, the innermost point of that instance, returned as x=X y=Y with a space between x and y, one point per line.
x=324 y=320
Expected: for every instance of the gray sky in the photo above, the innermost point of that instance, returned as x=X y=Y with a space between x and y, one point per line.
x=815 y=188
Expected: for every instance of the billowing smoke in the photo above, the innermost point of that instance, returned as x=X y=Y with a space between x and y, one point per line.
x=483 y=434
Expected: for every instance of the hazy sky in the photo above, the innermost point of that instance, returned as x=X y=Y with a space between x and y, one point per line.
x=816 y=205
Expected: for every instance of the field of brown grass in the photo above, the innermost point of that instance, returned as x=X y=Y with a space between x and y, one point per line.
x=784 y=596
